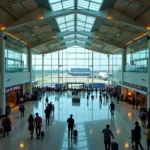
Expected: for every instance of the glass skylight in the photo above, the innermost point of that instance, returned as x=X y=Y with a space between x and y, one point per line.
x=84 y=22
x=66 y=23
x=59 y=4
x=75 y=22
x=90 y=4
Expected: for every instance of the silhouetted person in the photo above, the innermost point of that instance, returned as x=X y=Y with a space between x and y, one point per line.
x=47 y=115
x=38 y=124
x=107 y=137
x=71 y=125
x=112 y=108
x=137 y=132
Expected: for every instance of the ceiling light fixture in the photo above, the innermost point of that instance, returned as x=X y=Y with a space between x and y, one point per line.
x=33 y=34
x=35 y=27
x=41 y=18
x=109 y=17
x=118 y=35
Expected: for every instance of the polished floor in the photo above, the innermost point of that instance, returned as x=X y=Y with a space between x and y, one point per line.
x=90 y=117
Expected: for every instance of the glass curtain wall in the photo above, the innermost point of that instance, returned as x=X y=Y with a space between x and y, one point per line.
x=137 y=57
x=15 y=61
x=74 y=65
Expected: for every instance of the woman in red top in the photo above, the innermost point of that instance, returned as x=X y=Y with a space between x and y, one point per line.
x=31 y=125
x=6 y=123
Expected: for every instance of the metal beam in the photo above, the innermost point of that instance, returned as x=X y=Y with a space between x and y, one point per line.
x=119 y=17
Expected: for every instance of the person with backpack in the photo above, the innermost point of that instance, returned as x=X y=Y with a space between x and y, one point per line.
x=71 y=125
x=137 y=134
x=107 y=137
x=112 y=108
x=38 y=124
x=22 y=109
x=31 y=125
x=47 y=115
x=6 y=124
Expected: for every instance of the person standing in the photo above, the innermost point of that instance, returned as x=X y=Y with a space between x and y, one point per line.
x=31 y=125
x=38 y=124
x=107 y=137
x=71 y=125
x=143 y=118
x=6 y=124
x=137 y=132
x=112 y=108
x=47 y=115
x=22 y=109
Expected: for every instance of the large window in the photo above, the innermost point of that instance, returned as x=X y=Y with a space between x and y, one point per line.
x=75 y=65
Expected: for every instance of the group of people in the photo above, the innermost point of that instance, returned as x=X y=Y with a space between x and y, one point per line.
x=49 y=109
x=35 y=123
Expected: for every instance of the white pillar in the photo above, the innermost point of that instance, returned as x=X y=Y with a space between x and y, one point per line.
x=42 y=70
x=2 y=73
x=58 y=69
x=30 y=67
x=123 y=67
x=148 y=94
x=92 y=68
x=108 y=70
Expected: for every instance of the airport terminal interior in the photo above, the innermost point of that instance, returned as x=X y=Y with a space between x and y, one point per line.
x=82 y=56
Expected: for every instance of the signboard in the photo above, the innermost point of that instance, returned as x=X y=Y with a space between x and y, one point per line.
x=136 y=86
x=97 y=85
x=14 y=88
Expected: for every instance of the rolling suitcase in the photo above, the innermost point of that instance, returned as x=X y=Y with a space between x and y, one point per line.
x=42 y=133
x=75 y=133
x=114 y=146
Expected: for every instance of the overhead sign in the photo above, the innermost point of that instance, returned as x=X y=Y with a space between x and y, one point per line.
x=136 y=86
x=14 y=88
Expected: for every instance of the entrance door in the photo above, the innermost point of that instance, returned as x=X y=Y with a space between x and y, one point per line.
x=75 y=86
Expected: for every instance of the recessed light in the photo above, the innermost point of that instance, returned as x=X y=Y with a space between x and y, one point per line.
x=33 y=34
x=12 y=46
x=117 y=34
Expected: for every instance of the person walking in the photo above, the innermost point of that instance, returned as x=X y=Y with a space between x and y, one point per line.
x=137 y=132
x=107 y=137
x=6 y=124
x=38 y=124
x=143 y=118
x=71 y=125
x=22 y=109
x=31 y=125
x=47 y=115
x=112 y=108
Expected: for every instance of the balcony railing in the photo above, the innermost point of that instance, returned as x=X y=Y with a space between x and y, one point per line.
x=142 y=68
x=15 y=68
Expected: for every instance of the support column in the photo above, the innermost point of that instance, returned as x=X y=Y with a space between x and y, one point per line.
x=148 y=94
x=59 y=69
x=108 y=70
x=42 y=70
x=123 y=67
x=92 y=68
x=30 y=67
x=2 y=73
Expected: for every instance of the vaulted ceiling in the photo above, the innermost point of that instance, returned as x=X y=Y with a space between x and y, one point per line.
x=51 y=25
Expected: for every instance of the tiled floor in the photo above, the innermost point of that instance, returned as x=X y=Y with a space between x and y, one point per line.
x=90 y=118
